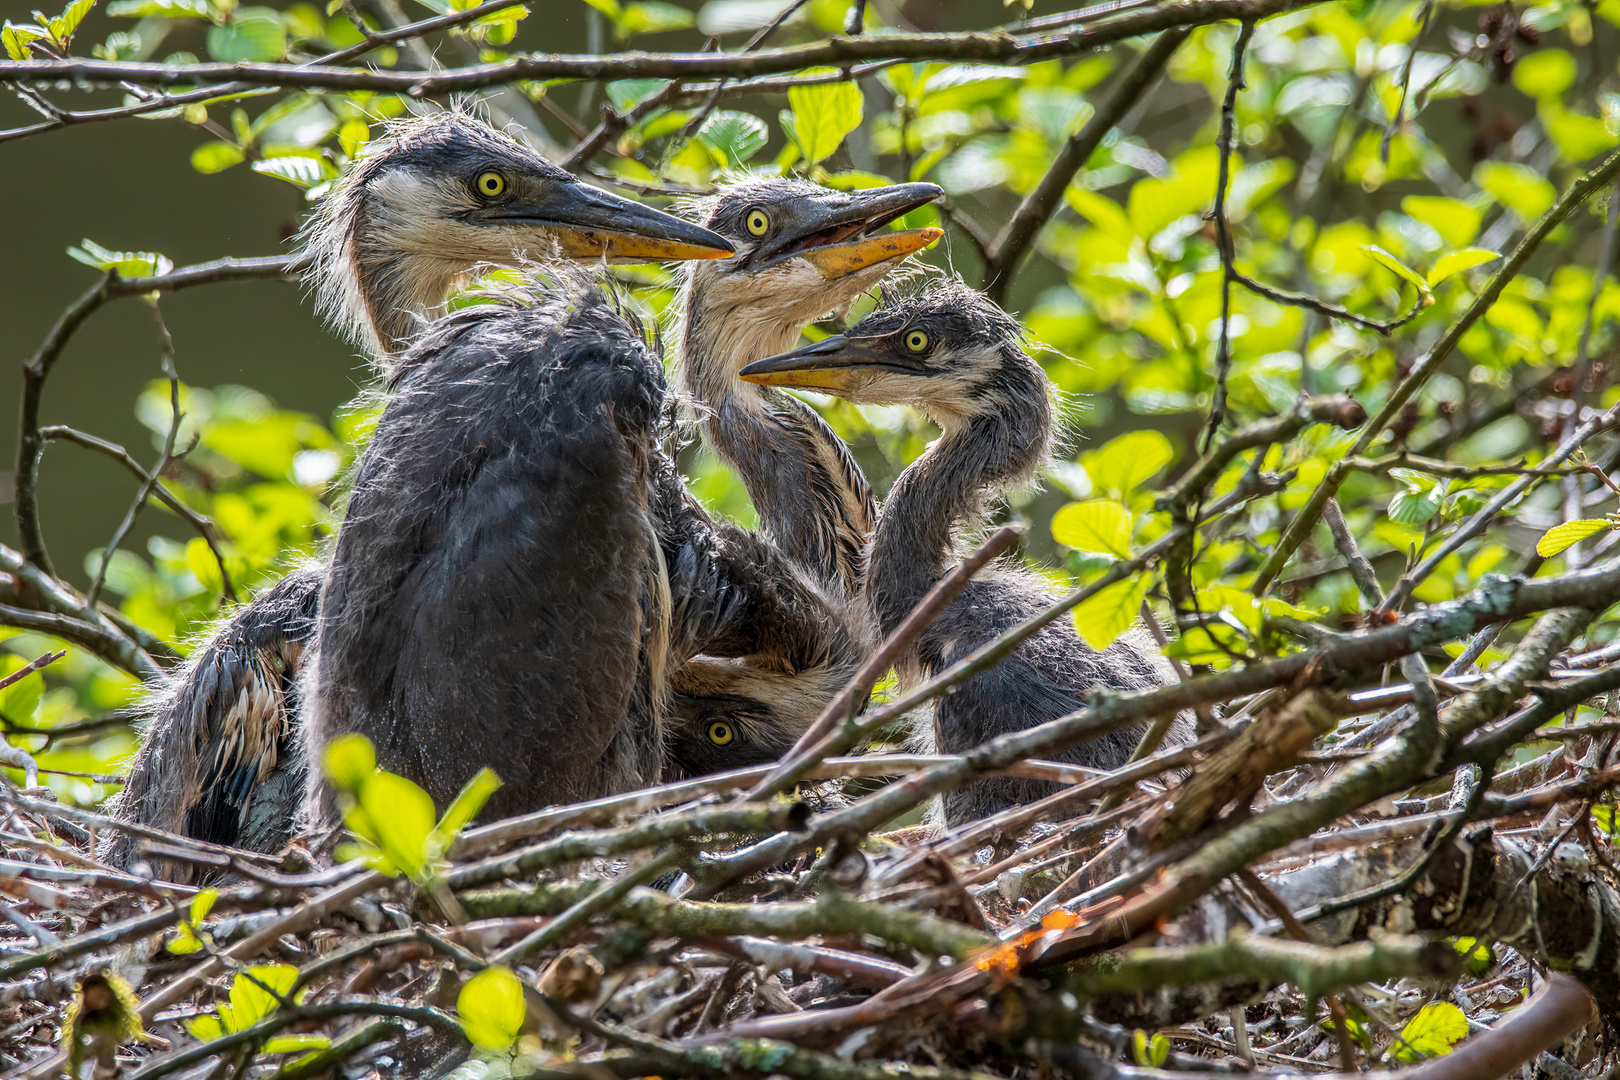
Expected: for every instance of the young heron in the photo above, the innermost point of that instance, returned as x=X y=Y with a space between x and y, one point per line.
x=958 y=358
x=434 y=199
x=803 y=251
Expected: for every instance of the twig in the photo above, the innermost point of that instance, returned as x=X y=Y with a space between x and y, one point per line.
x=1223 y=230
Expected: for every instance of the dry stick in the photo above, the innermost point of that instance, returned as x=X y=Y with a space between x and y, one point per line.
x=204 y=527
x=1223 y=231
x=1476 y=524
x=1425 y=367
x=1001 y=48
x=1361 y=569
x=52 y=599
x=1004 y=254
x=835 y=729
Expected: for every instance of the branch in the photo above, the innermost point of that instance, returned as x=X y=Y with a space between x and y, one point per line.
x=1223 y=231
x=998 y=47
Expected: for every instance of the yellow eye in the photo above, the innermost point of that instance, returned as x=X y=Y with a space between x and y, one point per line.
x=759 y=222
x=720 y=733
x=491 y=185
x=916 y=340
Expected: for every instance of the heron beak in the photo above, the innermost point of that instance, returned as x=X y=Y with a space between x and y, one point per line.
x=836 y=365
x=841 y=260
x=847 y=236
x=590 y=223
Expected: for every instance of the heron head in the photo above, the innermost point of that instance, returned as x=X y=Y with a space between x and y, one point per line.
x=803 y=250
x=439 y=196
x=948 y=351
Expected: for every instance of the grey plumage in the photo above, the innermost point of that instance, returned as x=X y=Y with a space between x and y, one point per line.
x=953 y=354
x=497 y=594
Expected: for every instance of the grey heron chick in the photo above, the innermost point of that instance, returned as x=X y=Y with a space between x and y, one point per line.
x=953 y=354
x=803 y=252
x=434 y=199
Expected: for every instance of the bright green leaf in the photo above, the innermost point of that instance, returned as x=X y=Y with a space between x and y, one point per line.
x=1517 y=187
x=166 y=9
x=1560 y=537
x=249 y=38
x=213 y=157
x=1412 y=507
x=1112 y=611
x=491 y=1009
x=401 y=817
x=1100 y=525
x=1603 y=816
x=1457 y=222
x=294 y=1044
x=1455 y=262
x=255 y=993
x=16 y=40
x=468 y=801
x=1545 y=73
x=63 y=26
x=1391 y=263
x=823 y=114
x=299 y=170
x=349 y=761
x=1477 y=956
x=1431 y=1033
x=625 y=94
x=653 y=17
x=124 y=263
x=732 y=137
x=1125 y=463
x=1577 y=136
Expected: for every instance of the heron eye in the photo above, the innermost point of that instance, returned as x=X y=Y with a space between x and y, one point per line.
x=720 y=733
x=491 y=185
x=916 y=340
x=759 y=222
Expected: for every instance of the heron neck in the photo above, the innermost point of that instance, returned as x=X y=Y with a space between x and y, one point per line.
x=944 y=493
x=811 y=497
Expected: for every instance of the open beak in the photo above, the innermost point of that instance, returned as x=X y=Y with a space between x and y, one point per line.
x=849 y=236
x=590 y=223
x=835 y=365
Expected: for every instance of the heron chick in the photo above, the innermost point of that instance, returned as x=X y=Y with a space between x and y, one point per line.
x=953 y=354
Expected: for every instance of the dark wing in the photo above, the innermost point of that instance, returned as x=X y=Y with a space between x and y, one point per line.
x=221 y=728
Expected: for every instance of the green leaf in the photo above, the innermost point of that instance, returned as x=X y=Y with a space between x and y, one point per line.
x=299 y=170
x=217 y=156
x=610 y=8
x=1517 y=187
x=123 y=263
x=1546 y=73
x=1111 y=612
x=1603 y=816
x=469 y=800
x=206 y=1028
x=185 y=938
x=1432 y=1032
x=250 y=38
x=349 y=761
x=1413 y=507
x=63 y=26
x=1391 y=263
x=165 y=9
x=252 y=1002
x=1124 y=464
x=400 y=818
x=1577 y=136
x=1453 y=263
x=823 y=114
x=1100 y=525
x=1560 y=537
x=16 y=39
x=732 y=137
x=1477 y=956
x=491 y=1009
x=625 y=94
x=1150 y=1052
x=1103 y=212
x=293 y=1044
x=1457 y=222
x=654 y=17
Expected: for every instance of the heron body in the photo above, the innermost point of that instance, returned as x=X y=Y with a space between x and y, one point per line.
x=957 y=357
x=497 y=592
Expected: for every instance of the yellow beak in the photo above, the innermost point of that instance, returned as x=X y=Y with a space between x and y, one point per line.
x=837 y=261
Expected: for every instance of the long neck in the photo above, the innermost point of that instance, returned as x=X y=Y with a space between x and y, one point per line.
x=944 y=492
x=398 y=286
x=811 y=497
